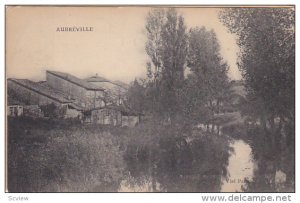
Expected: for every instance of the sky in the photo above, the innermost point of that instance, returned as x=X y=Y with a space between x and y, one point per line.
x=115 y=49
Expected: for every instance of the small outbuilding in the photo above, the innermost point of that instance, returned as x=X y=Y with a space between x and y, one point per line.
x=14 y=108
x=116 y=115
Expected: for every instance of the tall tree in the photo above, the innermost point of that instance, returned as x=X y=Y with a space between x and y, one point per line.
x=167 y=48
x=267 y=62
x=208 y=67
x=267 y=59
x=136 y=96
x=154 y=22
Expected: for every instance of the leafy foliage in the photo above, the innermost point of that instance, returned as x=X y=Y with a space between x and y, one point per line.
x=208 y=74
x=53 y=111
x=267 y=59
x=51 y=156
x=267 y=62
x=166 y=47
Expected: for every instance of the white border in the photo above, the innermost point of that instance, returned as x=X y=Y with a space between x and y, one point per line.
x=114 y=197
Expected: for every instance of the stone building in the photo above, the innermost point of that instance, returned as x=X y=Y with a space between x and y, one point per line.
x=117 y=115
x=14 y=107
x=36 y=92
x=40 y=93
x=116 y=91
x=95 y=100
x=79 y=91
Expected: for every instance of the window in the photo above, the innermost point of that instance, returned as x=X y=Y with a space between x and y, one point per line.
x=11 y=111
x=106 y=112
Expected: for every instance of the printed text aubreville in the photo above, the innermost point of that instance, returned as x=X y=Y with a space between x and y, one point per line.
x=75 y=29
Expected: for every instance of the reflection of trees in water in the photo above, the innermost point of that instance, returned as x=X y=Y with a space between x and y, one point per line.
x=269 y=80
x=170 y=163
x=275 y=161
x=275 y=165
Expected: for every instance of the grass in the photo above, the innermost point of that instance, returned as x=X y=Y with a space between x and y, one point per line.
x=50 y=156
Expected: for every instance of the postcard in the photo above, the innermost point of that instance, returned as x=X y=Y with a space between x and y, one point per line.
x=150 y=98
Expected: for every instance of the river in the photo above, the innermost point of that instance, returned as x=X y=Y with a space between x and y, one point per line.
x=240 y=167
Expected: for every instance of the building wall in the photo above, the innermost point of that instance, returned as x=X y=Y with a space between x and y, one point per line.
x=113 y=117
x=65 y=86
x=94 y=98
x=73 y=113
x=83 y=97
x=115 y=91
x=106 y=117
x=15 y=110
x=33 y=111
x=130 y=121
x=30 y=96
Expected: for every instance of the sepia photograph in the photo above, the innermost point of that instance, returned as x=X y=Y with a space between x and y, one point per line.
x=148 y=99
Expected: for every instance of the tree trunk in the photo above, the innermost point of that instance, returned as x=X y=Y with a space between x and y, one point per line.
x=152 y=171
x=153 y=182
x=211 y=106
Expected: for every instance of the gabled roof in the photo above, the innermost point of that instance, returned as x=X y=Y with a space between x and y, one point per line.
x=96 y=78
x=122 y=84
x=13 y=101
x=41 y=88
x=99 y=79
x=77 y=107
x=70 y=78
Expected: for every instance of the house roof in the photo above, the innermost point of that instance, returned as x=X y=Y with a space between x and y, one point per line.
x=77 y=107
x=13 y=101
x=122 y=84
x=42 y=88
x=96 y=78
x=70 y=78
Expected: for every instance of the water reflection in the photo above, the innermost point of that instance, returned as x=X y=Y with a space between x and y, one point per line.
x=171 y=164
x=130 y=185
x=275 y=171
x=204 y=177
x=240 y=167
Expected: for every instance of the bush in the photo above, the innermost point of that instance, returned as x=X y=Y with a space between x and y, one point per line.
x=61 y=159
x=53 y=111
